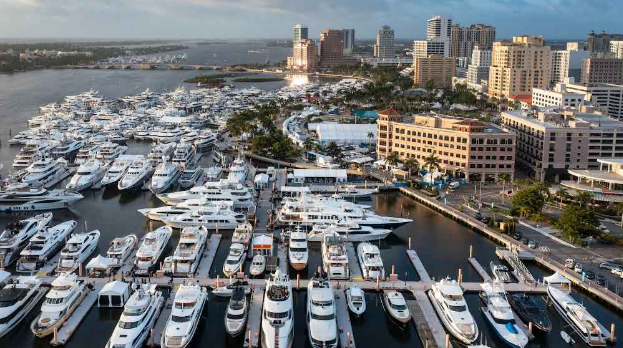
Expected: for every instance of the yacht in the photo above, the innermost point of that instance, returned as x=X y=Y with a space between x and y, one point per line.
x=235 y=259
x=237 y=312
x=17 y=234
x=45 y=173
x=67 y=149
x=213 y=174
x=120 y=249
x=166 y=174
x=86 y=153
x=138 y=318
x=221 y=192
x=60 y=302
x=43 y=245
x=184 y=155
x=242 y=234
x=26 y=199
x=447 y=299
x=161 y=213
x=33 y=151
x=356 y=300
x=117 y=170
x=370 y=260
x=334 y=256
x=227 y=291
x=109 y=151
x=186 y=311
x=528 y=311
x=238 y=170
x=151 y=249
x=161 y=152
x=573 y=312
x=17 y=300
x=224 y=219
x=205 y=140
x=168 y=136
x=500 y=273
x=278 y=319
x=189 y=138
x=258 y=265
x=352 y=192
x=190 y=176
x=321 y=309
x=350 y=231
x=396 y=307
x=77 y=249
x=138 y=173
x=500 y=316
x=190 y=248
x=298 y=255
x=88 y=175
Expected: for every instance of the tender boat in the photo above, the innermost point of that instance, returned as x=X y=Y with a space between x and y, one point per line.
x=501 y=273
x=356 y=299
x=138 y=173
x=500 y=316
x=278 y=318
x=60 y=302
x=23 y=199
x=166 y=174
x=396 y=307
x=224 y=219
x=17 y=234
x=138 y=318
x=258 y=265
x=370 y=261
x=190 y=176
x=161 y=213
x=116 y=171
x=77 y=249
x=226 y=291
x=349 y=231
x=46 y=173
x=43 y=246
x=188 y=305
x=298 y=255
x=17 y=300
x=242 y=234
x=447 y=299
x=151 y=249
x=237 y=312
x=235 y=259
x=190 y=248
x=321 y=322
x=528 y=311
x=87 y=175
x=334 y=256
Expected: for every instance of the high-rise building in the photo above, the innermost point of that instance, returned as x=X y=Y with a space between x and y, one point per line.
x=601 y=42
x=478 y=70
x=616 y=48
x=464 y=39
x=426 y=48
x=567 y=63
x=305 y=55
x=331 y=44
x=602 y=70
x=434 y=68
x=518 y=66
x=439 y=27
x=349 y=41
x=608 y=97
x=384 y=47
x=300 y=33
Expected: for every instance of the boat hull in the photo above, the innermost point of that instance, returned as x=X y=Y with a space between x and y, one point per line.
x=50 y=329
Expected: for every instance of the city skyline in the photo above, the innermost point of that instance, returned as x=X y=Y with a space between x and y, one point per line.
x=218 y=19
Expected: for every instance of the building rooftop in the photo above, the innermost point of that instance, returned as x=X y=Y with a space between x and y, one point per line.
x=566 y=119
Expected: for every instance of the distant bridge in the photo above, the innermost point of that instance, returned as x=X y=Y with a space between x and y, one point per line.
x=146 y=66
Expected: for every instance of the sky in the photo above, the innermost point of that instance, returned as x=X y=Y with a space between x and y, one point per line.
x=228 y=19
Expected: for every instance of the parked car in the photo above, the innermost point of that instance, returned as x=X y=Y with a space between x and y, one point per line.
x=578 y=268
x=589 y=274
x=601 y=281
x=607 y=265
x=517 y=235
x=604 y=229
x=617 y=271
x=570 y=263
x=478 y=216
x=532 y=244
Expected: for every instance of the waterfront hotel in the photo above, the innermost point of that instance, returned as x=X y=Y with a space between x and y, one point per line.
x=465 y=148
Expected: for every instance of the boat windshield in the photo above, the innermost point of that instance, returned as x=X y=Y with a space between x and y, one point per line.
x=457 y=308
x=398 y=307
x=322 y=303
x=179 y=319
x=323 y=317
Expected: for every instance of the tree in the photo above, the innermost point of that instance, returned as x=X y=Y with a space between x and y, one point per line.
x=430 y=86
x=576 y=220
x=584 y=198
x=370 y=137
x=505 y=179
x=562 y=194
x=529 y=201
x=392 y=159
x=333 y=150
x=431 y=162
x=411 y=164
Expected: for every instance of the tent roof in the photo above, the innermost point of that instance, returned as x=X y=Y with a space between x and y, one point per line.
x=116 y=287
x=556 y=278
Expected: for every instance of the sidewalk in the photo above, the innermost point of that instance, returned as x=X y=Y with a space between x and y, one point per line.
x=548 y=232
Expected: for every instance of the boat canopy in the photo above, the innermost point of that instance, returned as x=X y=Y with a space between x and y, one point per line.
x=556 y=279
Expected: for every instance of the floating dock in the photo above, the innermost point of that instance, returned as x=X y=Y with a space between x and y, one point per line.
x=255 y=318
x=345 y=328
x=417 y=264
x=203 y=271
x=163 y=318
x=69 y=327
x=282 y=254
x=353 y=262
x=520 y=271
x=481 y=271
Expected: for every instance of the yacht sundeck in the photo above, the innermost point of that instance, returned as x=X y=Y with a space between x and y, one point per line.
x=151 y=249
x=184 y=155
x=77 y=249
x=43 y=246
x=109 y=151
x=67 y=149
x=17 y=234
x=242 y=234
x=161 y=152
x=238 y=170
x=188 y=305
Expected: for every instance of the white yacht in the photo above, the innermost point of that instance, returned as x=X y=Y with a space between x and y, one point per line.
x=189 y=250
x=121 y=248
x=396 y=307
x=45 y=173
x=298 y=254
x=166 y=174
x=205 y=140
x=161 y=152
x=574 y=313
x=238 y=171
x=188 y=305
x=500 y=316
x=235 y=259
x=242 y=234
x=17 y=300
x=213 y=173
x=190 y=176
x=161 y=213
x=86 y=153
x=224 y=219
x=67 y=149
x=77 y=249
x=258 y=265
x=109 y=151
x=356 y=300
x=33 y=151
x=138 y=173
x=370 y=261
x=350 y=231
x=168 y=135
x=151 y=249
x=278 y=319
x=88 y=175
x=116 y=170
x=237 y=312
x=26 y=199
x=138 y=318
x=321 y=310
x=17 y=234
x=447 y=298
x=60 y=302
x=334 y=256
x=189 y=138
x=228 y=290
x=43 y=245
x=240 y=195
x=500 y=272
x=184 y=155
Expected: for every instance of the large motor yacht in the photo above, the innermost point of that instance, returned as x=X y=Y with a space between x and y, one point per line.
x=190 y=177
x=88 y=175
x=60 y=302
x=151 y=249
x=67 y=149
x=17 y=234
x=138 y=318
x=447 y=298
x=190 y=248
x=120 y=249
x=213 y=173
x=235 y=259
x=350 y=231
x=298 y=254
x=77 y=249
x=161 y=213
x=33 y=151
x=26 y=199
x=166 y=174
x=43 y=246
x=188 y=304
x=45 y=173
x=117 y=169
x=334 y=256
x=224 y=219
x=321 y=310
x=86 y=153
x=205 y=140
x=237 y=312
x=17 y=300
x=184 y=155
x=161 y=152
x=500 y=316
x=238 y=170
x=278 y=318
x=240 y=195
x=139 y=172
x=528 y=311
x=110 y=151
x=370 y=260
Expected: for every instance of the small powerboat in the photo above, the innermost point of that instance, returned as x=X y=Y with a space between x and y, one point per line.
x=356 y=300
x=258 y=265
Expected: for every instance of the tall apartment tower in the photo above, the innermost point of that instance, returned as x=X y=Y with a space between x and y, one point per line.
x=331 y=44
x=305 y=55
x=601 y=42
x=602 y=70
x=301 y=32
x=616 y=48
x=349 y=41
x=384 y=47
x=464 y=39
x=567 y=63
x=518 y=66
x=439 y=27
x=426 y=48
x=478 y=70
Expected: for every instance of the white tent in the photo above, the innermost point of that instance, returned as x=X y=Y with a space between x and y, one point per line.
x=114 y=294
x=431 y=177
x=261 y=180
x=99 y=266
x=555 y=279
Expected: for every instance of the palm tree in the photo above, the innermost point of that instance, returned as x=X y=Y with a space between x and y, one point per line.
x=370 y=137
x=333 y=150
x=411 y=164
x=431 y=162
x=308 y=145
x=392 y=159
x=584 y=198
x=562 y=194
x=504 y=178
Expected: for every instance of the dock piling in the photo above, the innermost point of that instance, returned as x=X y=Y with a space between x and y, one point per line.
x=530 y=336
x=447 y=340
x=348 y=339
x=378 y=282
x=298 y=281
x=471 y=249
x=151 y=338
x=55 y=338
x=409 y=243
x=460 y=277
x=612 y=338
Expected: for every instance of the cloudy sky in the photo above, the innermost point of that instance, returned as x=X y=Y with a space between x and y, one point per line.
x=212 y=19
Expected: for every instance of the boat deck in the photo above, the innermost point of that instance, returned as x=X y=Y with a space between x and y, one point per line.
x=128 y=265
x=345 y=328
x=255 y=318
x=69 y=327
x=353 y=262
x=208 y=256
x=261 y=212
x=417 y=264
x=481 y=271
x=163 y=318
x=427 y=324
x=50 y=266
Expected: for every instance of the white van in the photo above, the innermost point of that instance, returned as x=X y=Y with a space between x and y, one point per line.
x=453 y=185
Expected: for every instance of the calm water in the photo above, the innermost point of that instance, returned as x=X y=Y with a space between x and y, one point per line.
x=443 y=244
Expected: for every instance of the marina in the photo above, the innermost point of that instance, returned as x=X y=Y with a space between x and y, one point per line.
x=63 y=335
x=347 y=337
x=483 y=273
x=252 y=332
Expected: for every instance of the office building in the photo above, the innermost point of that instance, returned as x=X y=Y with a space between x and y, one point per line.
x=426 y=48
x=601 y=42
x=616 y=48
x=384 y=47
x=465 y=148
x=305 y=56
x=478 y=70
x=331 y=44
x=518 y=66
x=465 y=38
x=439 y=27
x=608 y=97
x=602 y=70
x=300 y=33
x=567 y=63
x=438 y=69
x=349 y=41
x=558 y=97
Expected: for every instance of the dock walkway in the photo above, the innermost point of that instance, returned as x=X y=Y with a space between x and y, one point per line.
x=255 y=318
x=69 y=327
x=203 y=271
x=417 y=264
x=520 y=271
x=282 y=254
x=353 y=262
x=481 y=271
x=161 y=323
x=429 y=316
x=345 y=328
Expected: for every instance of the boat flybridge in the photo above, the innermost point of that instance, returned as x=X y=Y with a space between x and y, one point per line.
x=190 y=248
x=46 y=173
x=370 y=260
x=77 y=249
x=184 y=155
x=161 y=213
x=33 y=151
x=321 y=314
x=500 y=316
x=88 y=175
x=17 y=234
x=109 y=151
x=447 y=298
x=151 y=249
x=238 y=171
x=117 y=169
x=17 y=300
x=237 y=312
x=165 y=175
x=43 y=246
x=26 y=199
x=186 y=311
x=278 y=318
x=139 y=172
x=298 y=253
x=334 y=256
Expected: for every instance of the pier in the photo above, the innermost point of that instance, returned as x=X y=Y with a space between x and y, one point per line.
x=69 y=327
x=353 y=262
x=252 y=333
x=161 y=323
x=417 y=264
x=203 y=271
x=282 y=254
x=520 y=271
x=481 y=271
x=429 y=328
x=345 y=328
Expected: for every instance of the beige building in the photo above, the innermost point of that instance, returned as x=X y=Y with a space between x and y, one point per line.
x=434 y=68
x=465 y=148
x=602 y=70
x=518 y=66
x=305 y=56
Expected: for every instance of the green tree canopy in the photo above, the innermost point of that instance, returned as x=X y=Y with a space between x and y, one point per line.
x=529 y=201
x=576 y=220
